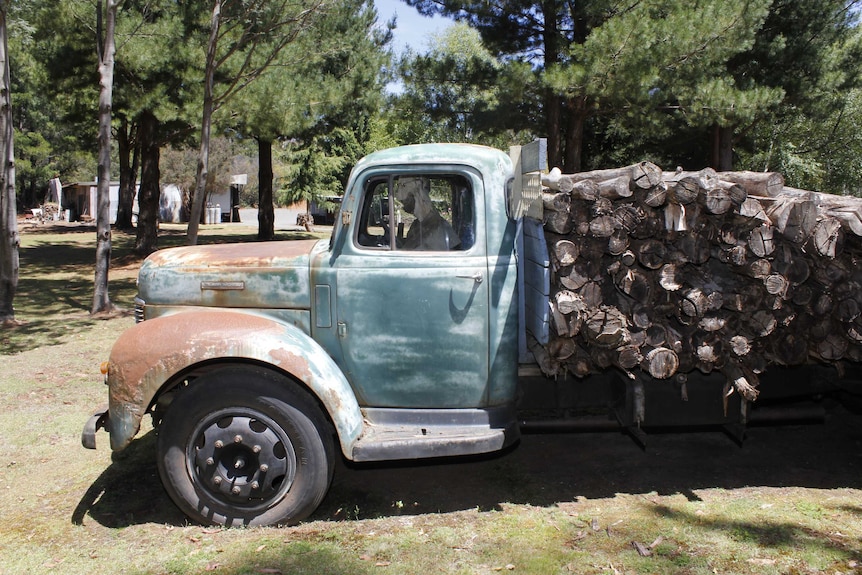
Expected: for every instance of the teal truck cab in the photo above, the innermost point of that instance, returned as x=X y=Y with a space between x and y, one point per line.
x=402 y=336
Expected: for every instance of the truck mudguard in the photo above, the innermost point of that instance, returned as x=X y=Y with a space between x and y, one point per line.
x=160 y=351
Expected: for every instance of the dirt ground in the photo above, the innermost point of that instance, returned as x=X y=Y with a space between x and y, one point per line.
x=543 y=469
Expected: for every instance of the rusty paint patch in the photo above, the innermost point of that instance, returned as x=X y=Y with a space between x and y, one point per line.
x=289 y=361
x=273 y=275
x=244 y=255
x=148 y=355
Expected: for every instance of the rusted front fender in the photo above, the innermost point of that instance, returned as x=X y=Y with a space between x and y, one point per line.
x=151 y=353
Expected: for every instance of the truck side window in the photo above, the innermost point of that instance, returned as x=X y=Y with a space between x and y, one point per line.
x=424 y=212
x=374 y=220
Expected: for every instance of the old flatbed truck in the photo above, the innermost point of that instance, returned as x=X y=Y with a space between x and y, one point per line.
x=261 y=363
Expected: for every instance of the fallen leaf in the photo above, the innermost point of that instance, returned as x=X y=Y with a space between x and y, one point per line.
x=383 y=564
x=260 y=548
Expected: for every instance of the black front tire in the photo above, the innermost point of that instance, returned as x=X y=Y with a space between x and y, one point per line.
x=245 y=447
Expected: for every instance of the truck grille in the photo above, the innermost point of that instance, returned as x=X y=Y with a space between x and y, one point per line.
x=139 y=310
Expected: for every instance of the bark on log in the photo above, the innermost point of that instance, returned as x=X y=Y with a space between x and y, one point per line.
x=643 y=175
x=699 y=270
x=757 y=183
x=616 y=188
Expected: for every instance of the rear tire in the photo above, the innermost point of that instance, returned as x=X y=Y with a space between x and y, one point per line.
x=245 y=447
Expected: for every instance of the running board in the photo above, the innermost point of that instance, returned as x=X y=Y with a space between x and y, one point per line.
x=392 y=434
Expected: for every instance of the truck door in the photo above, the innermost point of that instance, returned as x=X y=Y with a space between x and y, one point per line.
x=412 y=292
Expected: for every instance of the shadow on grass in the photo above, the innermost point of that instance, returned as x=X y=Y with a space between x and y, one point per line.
x=776 y=534
x=544 y=470
x=55 y=286
x=129 y=491
x=63 y=312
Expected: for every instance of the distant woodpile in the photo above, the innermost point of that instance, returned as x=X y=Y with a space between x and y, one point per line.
x=668 y=272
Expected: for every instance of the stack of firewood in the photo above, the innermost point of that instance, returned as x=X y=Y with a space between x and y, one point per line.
x=668 y=272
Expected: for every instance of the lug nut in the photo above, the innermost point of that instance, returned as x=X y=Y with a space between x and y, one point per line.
x=217 y=480
x=237 y=438
x=264 y=468
x=256 y=449
x=219 y=444
x=210 y=461
x=236 y=490
x=255 y=484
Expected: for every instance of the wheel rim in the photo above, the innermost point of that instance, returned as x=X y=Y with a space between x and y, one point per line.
x=241 y=458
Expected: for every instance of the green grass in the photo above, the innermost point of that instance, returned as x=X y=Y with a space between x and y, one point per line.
x=68 y=510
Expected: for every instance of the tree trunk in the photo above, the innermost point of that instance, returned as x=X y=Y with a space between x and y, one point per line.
x=101 y=297
x=722 y=148
x=553 y=102
x=203 y=160
x=553 y=107
x=265 y=208
x=147 y=238
x=128 y=156
x=576 y=108
x=8 y=211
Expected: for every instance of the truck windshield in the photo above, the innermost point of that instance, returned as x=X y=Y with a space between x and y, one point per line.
x=431 y=212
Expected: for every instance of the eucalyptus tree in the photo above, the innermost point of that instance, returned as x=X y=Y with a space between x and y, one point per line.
x=47 y=143
x=9 y=240
x=317 y=101
x=106 y=51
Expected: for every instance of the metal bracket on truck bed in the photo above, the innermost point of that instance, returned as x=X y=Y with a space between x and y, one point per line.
x=687 y=400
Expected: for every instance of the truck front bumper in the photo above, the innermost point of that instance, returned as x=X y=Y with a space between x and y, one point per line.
x=99 y=420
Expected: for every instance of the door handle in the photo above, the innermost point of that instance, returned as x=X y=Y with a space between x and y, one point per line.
x=476 y=277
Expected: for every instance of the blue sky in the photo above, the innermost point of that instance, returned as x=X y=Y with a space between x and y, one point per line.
x=413 y=29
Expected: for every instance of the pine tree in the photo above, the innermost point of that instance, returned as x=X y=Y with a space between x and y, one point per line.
x=318 y=100
x=634 y=61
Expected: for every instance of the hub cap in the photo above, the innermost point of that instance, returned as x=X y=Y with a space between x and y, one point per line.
x=242 y=458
